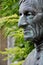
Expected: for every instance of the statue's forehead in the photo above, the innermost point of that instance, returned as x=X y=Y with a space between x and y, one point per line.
x=38 y=3
x=28 y=1
x=27 y=5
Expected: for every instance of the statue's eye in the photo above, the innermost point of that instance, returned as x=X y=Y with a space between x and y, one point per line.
x=20 y=14
x=29 y=13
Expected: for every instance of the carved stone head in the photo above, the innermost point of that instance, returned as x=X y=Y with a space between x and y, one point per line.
x=31 y=19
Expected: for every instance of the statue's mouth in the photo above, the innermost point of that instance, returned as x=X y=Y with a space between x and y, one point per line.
x=29 y=33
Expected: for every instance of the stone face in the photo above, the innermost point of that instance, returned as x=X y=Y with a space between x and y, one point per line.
x=31 y=20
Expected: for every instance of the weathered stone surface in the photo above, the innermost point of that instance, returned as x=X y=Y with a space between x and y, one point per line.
x=31 y=20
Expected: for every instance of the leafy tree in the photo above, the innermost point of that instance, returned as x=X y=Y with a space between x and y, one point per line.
x=8 y=7
x=9 y=22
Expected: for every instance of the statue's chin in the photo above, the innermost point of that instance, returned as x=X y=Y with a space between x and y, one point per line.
x=28 y=35
x=27 y=38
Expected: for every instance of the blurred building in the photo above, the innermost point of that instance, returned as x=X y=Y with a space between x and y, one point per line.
x=5 y=43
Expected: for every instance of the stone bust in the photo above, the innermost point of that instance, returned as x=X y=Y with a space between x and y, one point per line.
x=31 y=20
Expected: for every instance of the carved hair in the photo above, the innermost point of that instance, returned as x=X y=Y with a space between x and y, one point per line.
x=37 y=3
x=21 y=1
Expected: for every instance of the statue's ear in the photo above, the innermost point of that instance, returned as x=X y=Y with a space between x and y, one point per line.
x=38 y=18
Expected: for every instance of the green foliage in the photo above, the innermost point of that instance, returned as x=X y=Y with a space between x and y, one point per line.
x=9 y=22
x=22 y=48
x=18 y=63
x=8 y=7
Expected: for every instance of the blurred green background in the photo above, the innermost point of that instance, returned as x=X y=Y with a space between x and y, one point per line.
x=9 y=17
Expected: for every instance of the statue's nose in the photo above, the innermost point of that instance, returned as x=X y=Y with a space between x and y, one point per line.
x=22 y=22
